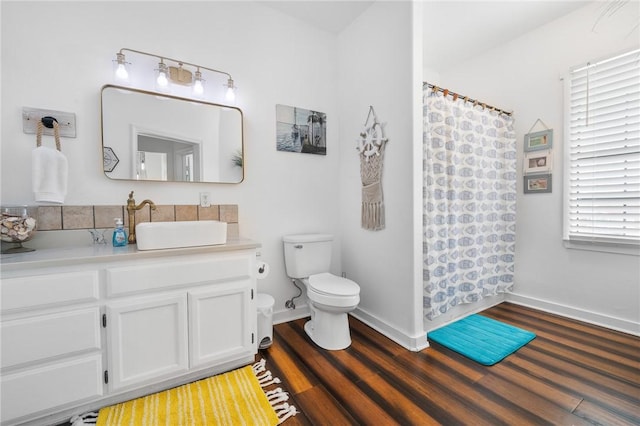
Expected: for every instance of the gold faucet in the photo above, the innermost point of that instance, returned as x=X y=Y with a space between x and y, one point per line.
x=131 y=210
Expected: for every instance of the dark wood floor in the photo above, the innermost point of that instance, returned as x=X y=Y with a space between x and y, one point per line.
x=572 y=373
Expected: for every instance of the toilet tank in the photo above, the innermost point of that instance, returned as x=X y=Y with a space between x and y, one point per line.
x=307 y=254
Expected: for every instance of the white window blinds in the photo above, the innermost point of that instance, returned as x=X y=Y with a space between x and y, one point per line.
x=603 y=184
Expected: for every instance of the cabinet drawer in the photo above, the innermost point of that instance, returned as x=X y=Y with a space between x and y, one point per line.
x=46 y=336
x=137 y=278
x=51 y=386
x=49 y=290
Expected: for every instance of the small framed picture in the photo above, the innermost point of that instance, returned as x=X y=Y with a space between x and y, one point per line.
x=538 y=141
x=301 y=130
x=537 y=162
x=537 y=184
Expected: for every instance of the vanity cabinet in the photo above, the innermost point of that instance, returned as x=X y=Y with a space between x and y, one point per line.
x=108 y=328
x=169 y=316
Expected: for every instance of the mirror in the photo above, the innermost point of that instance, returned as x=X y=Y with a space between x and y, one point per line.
x=158 y=137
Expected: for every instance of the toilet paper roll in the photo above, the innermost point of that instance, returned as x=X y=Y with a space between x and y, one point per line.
x=263 y=270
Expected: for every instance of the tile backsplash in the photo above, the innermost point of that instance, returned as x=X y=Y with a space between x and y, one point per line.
x=54 y=218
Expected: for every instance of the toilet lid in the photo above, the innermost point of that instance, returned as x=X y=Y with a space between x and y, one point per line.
x=330 y=284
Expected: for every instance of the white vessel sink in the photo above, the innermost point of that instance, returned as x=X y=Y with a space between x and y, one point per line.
x=193 y=233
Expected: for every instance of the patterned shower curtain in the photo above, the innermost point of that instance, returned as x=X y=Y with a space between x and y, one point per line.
x=469 y=194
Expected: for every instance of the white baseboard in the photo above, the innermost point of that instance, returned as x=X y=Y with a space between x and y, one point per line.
x=595 y=318
x=291 y=314
x=461 y=311
x=420 y=342
x=412 y=343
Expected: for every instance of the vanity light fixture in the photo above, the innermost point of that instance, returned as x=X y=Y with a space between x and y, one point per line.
x=179 y=74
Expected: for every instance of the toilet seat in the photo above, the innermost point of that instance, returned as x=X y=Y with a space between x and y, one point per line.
x=331 y=285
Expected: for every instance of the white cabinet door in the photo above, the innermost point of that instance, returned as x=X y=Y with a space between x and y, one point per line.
x=222 y=323
x=147 y=339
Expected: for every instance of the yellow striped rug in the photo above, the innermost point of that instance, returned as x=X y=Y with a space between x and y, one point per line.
x=233 y=398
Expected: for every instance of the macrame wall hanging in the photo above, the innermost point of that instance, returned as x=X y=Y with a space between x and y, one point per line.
x=370 y=146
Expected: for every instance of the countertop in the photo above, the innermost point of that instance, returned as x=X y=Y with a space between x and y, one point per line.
x=107 y=253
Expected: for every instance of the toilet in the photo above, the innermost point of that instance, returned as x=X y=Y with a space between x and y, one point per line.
x=307 y=259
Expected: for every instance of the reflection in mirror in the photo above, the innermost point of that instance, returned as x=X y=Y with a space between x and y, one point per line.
x=148 y=136
x=161 y=157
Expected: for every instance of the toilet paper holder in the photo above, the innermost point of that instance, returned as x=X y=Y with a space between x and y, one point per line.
x=263 y=270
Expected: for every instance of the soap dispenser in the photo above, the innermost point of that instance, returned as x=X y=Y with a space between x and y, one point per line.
x=119 y=235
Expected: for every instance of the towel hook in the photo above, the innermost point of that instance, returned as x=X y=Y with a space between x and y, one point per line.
x=56 y=132
x=48 y=121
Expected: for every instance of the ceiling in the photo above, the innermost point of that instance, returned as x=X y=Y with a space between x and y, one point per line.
x=452 y=31
x=329 y=15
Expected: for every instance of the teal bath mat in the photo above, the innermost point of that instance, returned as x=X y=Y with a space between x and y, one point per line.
x=482 y=339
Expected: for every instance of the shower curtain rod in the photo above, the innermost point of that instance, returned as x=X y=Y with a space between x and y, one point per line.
x=465 y=98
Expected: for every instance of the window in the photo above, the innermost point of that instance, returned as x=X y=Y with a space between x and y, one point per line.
x=602 y=152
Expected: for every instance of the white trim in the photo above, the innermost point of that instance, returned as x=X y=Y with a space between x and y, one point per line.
x=566 y=80
x=415 y=344
x=461 y=311
x=595 y=318
x=288 y=315
x=412 y=343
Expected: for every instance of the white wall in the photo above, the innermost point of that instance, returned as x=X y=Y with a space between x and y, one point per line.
x=523 y=75
x=58 y=55
x=375 y=56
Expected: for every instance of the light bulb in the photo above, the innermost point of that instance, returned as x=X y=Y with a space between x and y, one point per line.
x=121 y=72
x=198 y=86
x=231 y=93
x=162 y=79
x=120 y=64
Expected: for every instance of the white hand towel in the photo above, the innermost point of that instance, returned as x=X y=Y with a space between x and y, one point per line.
x=49 y=168
x=49 y=174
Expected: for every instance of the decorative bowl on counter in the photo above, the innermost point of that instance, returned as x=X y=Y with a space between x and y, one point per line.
x=17 y=226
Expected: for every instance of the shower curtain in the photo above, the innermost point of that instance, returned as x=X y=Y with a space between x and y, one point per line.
x=469 y=195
